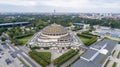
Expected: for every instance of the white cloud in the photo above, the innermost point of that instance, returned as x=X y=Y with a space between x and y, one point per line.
x=65 y=5
x=18 y=2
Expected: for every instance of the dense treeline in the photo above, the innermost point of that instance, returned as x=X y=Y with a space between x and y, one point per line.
x=38 y=22
x=60 y=19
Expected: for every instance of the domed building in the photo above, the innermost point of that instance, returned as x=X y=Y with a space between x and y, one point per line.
x=53 y=35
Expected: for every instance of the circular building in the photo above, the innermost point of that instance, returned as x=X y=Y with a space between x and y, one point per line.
x=53 y=35
x=54 y=31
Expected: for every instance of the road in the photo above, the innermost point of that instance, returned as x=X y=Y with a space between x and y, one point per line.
x=24 y=54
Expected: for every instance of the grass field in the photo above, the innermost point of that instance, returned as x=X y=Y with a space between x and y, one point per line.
x=65 y=57
x=87 y=38
x=25 y=39
x=23 y=62
x=118 y=56
x=106 y=63
x=84 y=39
x=114 y=64
x=43 y=58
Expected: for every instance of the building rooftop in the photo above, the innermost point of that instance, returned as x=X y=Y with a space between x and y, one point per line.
x=11 y=24
x=54 y=29
x=89 y=53
x=96 y=55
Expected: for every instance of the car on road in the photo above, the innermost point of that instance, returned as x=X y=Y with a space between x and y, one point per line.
x=1 y=50
x=14 y=55
x=8 y=61
x=10 y=51
x=2 y=53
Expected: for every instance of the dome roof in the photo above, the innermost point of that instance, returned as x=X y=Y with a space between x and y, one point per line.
x=54 y=29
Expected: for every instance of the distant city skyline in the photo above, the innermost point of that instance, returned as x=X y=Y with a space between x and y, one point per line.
x=68 y=6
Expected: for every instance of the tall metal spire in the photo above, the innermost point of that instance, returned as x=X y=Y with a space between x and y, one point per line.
x=54 y=16
x=54 y=11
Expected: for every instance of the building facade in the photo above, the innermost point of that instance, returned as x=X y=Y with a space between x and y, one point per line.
x=54 y=35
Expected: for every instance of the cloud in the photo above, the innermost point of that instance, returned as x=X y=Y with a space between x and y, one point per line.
x=63 y=5
x=18 y=2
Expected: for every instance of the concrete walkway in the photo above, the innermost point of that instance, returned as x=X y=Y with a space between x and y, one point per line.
x=116 y=53
x=110 y=64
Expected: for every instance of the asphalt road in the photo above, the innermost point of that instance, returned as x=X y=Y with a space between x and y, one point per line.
x=20 y=52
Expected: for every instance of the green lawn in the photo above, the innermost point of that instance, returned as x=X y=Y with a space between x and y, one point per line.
x=106 y=63
x=43 y=58
x=84 y=39
x=25 y=39
x=23 y=62
x=118 y=56
x=114 y=64
x=112 y=39
x=87 y=38
x=65 y=57
x=113 y=52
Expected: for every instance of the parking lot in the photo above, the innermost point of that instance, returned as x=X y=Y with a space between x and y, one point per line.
x=7 y=60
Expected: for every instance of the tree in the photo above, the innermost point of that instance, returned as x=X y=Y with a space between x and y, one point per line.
x=91 y=28
x=3 y=38
x=70 y=23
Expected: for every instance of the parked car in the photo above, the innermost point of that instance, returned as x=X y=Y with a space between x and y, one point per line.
x=2 y=53
x=8 y=61
x=1 y=50
x=10 y=51
x=14 y=55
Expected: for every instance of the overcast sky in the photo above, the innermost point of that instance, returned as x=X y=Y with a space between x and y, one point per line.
x=84 y=6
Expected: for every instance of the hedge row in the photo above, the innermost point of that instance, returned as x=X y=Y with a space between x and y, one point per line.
x=37 y=47
x=38 y=59
x=87 y=33
x=106 y=63
x=78 y=57
x=65 y=57
x=84 y=35
x=93 y=38
x=27 y=65
x=118 y=56
x=114 y=64
x=22 y=36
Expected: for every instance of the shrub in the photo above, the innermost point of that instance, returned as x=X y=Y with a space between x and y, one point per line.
x=114 y=64
x=22 y=36
x=41 y=58
x=46 y=56
x=37 y=47
x=93 y=38
x=65 y=57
